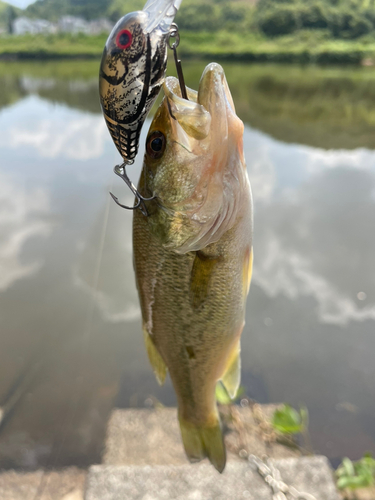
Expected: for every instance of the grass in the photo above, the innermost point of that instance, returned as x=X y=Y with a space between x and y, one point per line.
x=354 y=475
x=51 y=46
x=305 y=47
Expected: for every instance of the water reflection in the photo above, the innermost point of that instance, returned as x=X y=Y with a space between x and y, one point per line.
x=113 y=286
x=68 y=300
x=320 y=107
x=66 y=134
x=22 y=214
x=315 y=218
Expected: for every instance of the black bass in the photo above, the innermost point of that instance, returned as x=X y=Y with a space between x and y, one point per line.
x=193 y=254
x=132 y=71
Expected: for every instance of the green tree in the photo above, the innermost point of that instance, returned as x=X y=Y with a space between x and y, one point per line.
x=199 y=16
x=279 y=21
x=119 y=8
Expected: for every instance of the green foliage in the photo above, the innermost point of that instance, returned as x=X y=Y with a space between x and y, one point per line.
x=53 y=9
x=302 y=31
x=119 y=8
x=344 y=19
x=194 y=15
x=287 y=420
x=52 y=46
x=353 y=475
x=277 y=21
x=199 y=15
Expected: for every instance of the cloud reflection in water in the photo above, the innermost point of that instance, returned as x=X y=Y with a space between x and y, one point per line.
x=66 y=134
x=313 y=211
x=311 y=227
x=21 y=218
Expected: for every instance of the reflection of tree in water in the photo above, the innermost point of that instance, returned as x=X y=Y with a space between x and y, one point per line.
x=11 y=90
x=73 y=83
x=78 y=94
x=322 y=107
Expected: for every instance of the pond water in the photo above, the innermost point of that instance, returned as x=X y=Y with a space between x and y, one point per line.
x=71 y=346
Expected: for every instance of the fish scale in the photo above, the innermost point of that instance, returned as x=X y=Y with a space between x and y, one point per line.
x=193 y=253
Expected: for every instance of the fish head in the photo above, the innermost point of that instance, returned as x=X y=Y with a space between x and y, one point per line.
x=194 y=163
x=132 y=70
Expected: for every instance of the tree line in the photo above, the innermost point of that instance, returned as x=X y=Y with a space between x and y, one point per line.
x=337 y=19
x=346 y=19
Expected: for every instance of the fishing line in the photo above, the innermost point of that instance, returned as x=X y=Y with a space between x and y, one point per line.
x=73 y=408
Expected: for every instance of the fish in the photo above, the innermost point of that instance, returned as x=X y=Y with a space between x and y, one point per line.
x=193 y=253
x=132 y=70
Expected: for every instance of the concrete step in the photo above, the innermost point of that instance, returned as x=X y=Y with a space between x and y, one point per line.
x=68 y=484
x=311 y=475
x=152 y=437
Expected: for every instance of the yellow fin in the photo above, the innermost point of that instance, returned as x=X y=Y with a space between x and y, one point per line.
x=157 y=363
x=200 y=277
x=204 y=441
x=232 y=376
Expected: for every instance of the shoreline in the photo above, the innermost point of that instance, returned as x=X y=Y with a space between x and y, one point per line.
x=220 y=46
x=322 y=59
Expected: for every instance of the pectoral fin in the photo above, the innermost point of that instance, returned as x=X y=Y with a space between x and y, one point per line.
x=203 y=268
x=232 y=376
x=247 y=271
x=157 y=363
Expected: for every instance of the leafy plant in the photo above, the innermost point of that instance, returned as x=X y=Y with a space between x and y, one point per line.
x=353 y=475
x=287 y=420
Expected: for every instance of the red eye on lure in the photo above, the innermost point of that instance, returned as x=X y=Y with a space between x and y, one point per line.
x=132 y=71
x=124 y=39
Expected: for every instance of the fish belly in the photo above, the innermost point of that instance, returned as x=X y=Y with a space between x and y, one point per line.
x=193 y=308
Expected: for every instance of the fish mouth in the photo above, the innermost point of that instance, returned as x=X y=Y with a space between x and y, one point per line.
x=194 y=119
x=209 y=109
x=161 y=14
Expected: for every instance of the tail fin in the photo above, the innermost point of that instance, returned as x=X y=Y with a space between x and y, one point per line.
x=204 y=441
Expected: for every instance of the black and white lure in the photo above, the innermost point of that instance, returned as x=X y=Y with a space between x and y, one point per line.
x=132 y=71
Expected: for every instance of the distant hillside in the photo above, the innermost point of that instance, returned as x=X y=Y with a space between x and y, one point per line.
x=54 y=9
x=196 y=15
x=347 y=19
x=319 y=31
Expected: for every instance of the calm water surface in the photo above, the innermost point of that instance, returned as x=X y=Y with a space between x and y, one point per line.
x=71 y=346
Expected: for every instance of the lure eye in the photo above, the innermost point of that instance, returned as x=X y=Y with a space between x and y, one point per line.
x=124 y=39
x=155 y=145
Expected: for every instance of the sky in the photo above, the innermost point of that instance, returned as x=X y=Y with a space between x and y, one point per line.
x=20 y=3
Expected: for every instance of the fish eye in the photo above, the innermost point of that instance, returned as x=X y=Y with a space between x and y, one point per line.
x=155 y=145
x=124 y=39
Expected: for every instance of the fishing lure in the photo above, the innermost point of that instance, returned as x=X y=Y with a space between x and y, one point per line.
x=132 y=71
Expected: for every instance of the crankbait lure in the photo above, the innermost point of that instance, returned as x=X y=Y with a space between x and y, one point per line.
x=132 y=71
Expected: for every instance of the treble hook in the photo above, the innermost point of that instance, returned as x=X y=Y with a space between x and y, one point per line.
x=174 y=33
x=120 y=170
